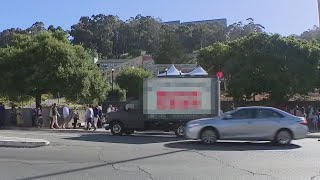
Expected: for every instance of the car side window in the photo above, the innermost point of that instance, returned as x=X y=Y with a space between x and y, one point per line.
x=243 y=114
x=267 y=113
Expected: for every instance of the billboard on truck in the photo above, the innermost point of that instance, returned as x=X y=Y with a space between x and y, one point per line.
x=183 y=96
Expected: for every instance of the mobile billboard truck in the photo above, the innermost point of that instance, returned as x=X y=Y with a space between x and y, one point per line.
x=167 y=104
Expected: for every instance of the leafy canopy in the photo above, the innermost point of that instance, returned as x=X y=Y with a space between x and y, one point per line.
x=47 y=62
x=131 y=80
x=262 y=63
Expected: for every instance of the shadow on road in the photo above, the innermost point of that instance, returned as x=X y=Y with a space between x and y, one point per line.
x=133 y=139
x=229 y=146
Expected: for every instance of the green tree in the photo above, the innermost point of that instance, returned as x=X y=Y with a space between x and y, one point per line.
x=47 y=63
x=131 y=80
x=171 y=51
x=97 y=33
x=262 y=63
x=242 y=29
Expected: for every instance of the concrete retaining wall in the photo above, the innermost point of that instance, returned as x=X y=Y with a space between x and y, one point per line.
x=27 y=117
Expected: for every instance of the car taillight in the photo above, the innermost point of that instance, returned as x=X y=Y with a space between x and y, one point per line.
x=304 y=122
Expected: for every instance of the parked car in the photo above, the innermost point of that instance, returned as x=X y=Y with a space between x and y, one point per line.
x=255 y=123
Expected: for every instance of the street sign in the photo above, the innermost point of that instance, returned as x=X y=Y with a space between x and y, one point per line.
x=219 y=74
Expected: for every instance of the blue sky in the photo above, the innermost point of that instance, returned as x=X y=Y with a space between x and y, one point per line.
x=278 y=16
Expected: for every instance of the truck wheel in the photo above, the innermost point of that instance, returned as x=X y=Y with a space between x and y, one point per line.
x=180 y=131
x=117 y=128
x=129 y=132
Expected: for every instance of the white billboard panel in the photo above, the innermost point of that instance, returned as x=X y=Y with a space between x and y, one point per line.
x=178 y=96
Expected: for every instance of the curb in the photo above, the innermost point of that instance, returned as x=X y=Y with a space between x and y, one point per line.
x=313 y=136
x=23 y=142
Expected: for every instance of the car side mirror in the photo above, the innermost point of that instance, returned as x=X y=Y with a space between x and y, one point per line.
x=228 y=116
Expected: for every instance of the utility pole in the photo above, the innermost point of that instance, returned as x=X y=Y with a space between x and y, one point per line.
x=318 y=1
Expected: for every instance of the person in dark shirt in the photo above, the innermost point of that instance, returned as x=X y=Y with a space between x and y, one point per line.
x=2 y=115
x=95 y=117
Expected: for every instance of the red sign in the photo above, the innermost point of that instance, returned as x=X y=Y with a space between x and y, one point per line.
x=219 y=74
x=178 y=100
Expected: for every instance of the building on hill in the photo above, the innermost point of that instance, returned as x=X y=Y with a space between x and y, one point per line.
x=222 y=21
x=112 y=67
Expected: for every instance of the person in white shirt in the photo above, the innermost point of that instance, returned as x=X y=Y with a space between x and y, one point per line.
x=66 y=117
x=89 y=116
x=109 y=109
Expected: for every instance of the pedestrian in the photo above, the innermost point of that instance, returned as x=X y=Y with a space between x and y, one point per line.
x=233 y=107
x=66 y=117
x=50 y=116
x=100 y=113
x=19 y=117
x=303 y=113
x=89 y=116
x=13 y=116
x=55 y=115
x=109 y=109
x=95 y=117
x=296 y=111
x=34 y=117
x=315 y=120
x=39 y=117
x=75 y=117
x=2 y=115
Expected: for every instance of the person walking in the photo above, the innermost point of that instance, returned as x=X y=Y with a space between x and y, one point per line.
x=95 y=117
x=99 y=124
x=75 y=117
x=66 y=117
x=89 y=116
x=19 y=117
x=39 y=117
x=315 y=120
x=55 y=115
x=303 y=113
x=2 y=115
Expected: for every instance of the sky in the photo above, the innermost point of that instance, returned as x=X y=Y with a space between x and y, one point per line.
x=277 y=16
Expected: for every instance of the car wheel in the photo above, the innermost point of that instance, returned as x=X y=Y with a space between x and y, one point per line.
x=129 y=132
x=180 y=131
x=209 y=136
x=283 y=137
x=117 y=128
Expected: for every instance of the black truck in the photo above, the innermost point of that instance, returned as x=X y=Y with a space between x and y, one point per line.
x=167 y=104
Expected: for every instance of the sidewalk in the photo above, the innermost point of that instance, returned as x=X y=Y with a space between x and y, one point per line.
x=314 y=134
x=22 y=142
x=78 y=130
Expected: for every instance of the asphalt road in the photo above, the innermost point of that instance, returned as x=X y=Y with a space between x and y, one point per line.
x=155 y=157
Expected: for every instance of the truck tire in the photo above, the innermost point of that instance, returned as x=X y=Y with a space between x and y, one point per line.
x=117 y=128
x=129 y=132
x=180 y=131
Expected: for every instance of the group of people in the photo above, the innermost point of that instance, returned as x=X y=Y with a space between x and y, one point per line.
x=93 y=115
x=311 y=114
x=66 y=114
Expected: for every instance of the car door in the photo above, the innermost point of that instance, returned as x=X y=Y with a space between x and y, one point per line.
x=265 y=124
x=236 y=127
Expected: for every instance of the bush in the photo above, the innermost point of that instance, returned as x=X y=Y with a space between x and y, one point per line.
x=117 y=94
x=131 y=80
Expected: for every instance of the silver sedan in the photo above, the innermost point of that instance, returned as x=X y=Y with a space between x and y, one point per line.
x=249 y=123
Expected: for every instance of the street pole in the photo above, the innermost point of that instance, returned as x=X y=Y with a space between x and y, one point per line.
x=318 y=1
x=112 y=71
